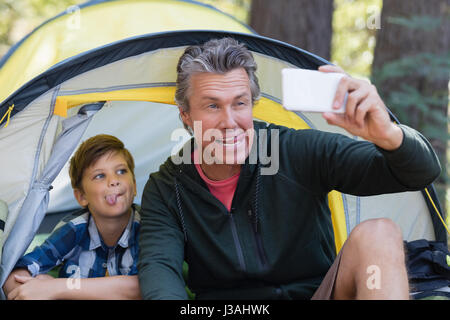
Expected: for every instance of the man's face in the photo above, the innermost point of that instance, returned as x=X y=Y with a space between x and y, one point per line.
x=222 y=102
x=108 y=187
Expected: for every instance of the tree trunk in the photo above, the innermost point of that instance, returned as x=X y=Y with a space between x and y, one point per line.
x=302 y=23
x=411 y=69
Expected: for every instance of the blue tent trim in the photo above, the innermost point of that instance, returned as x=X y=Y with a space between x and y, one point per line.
x=101 y=56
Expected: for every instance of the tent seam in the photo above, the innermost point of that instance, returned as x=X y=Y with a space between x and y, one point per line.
x=41 y=139
x=305 y=118
x=347 y=223
x=358 y=210
x=115 y=88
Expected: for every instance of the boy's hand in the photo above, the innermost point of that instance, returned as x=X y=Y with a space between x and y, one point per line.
x=44 y=276
x=32 y=288
x=365 y=115
x=45 y=287
x=11 y=283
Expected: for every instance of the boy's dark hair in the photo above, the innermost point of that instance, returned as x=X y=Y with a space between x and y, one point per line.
x=93 y=149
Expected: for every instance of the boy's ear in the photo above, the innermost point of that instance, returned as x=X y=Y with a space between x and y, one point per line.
x=81 y=198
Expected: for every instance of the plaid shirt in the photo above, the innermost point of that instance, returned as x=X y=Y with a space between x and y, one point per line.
x=77 y=245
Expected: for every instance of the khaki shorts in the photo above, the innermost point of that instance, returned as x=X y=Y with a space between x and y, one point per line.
x=325 y=290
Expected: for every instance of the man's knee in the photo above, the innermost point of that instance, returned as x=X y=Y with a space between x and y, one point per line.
x=380 y=230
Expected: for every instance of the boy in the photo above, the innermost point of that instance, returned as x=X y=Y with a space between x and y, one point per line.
x=101 y=243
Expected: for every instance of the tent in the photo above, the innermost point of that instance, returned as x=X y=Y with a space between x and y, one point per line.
x=118 y=77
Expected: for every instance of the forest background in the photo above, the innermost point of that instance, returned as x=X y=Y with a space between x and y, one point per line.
x=402 y=46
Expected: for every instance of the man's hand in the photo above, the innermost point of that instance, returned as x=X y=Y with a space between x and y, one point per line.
x=365 y=114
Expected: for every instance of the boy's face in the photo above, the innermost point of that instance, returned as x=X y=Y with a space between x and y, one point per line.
x=108 y=187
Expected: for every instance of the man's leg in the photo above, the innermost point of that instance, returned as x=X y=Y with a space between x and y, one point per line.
x=373 y=263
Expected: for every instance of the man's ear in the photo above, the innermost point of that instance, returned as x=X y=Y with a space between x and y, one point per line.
x=81 y=198
x=185 y=118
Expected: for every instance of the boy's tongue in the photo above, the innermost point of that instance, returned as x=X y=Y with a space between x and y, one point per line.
x=111 y=199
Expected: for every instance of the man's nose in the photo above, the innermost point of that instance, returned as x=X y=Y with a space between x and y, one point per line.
x=227 y=119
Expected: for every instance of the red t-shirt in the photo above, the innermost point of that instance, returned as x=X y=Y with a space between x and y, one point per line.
x=223 y=189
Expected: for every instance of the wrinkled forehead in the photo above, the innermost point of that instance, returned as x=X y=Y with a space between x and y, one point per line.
x=207 y=84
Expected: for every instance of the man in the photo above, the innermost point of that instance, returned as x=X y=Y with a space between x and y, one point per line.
x=246 y=235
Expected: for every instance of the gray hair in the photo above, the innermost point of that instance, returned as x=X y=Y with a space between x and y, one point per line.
x=215 y=56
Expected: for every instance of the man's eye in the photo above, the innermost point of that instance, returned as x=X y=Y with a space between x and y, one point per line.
x=212 y=106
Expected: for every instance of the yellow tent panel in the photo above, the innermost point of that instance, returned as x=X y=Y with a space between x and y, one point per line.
x=71 y=33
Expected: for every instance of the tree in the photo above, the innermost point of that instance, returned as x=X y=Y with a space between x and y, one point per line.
x=19 y=17
x=302 y=23
x=411 y=69
x=355 y=24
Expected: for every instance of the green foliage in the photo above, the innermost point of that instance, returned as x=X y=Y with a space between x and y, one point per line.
x=426 y=23
x=423 y=64
x=354 y=30
x=19 y=17
x=37 y=241
x=239 y=9
x=411 y=92
x=423 y=69
x=191 y=296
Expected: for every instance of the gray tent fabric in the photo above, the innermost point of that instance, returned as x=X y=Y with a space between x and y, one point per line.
x=35 y=205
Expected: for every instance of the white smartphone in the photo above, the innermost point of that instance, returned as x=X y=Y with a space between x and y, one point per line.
x=310 y=90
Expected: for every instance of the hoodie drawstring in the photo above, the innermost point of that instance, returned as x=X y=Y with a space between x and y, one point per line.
x=180 y=210
x=256 y=198
x=255 y=202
